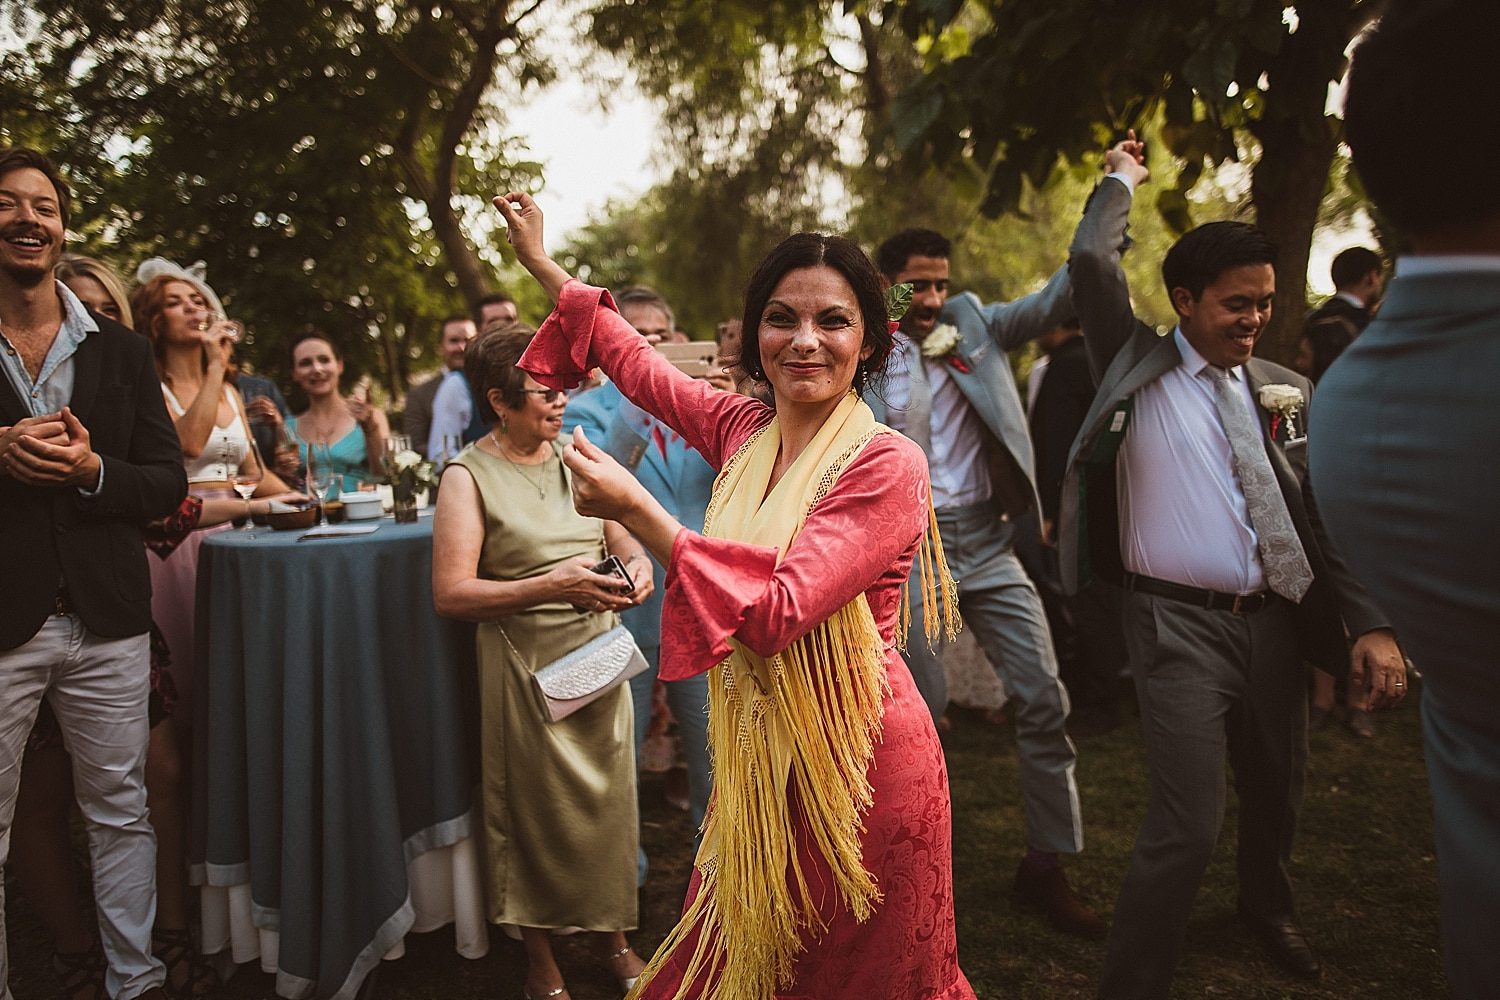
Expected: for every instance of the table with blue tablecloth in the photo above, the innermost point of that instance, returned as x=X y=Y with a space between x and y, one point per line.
x=333 y=764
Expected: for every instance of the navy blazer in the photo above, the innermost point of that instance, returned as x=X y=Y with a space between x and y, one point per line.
x=53 y=535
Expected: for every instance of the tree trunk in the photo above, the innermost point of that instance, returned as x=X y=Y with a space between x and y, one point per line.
x=1287 y=187
x=1297 y=143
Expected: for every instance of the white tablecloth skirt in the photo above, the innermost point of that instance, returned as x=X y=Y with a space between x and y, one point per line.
x=445 y=888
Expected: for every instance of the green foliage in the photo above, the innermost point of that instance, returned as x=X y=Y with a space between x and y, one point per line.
x=281 y=143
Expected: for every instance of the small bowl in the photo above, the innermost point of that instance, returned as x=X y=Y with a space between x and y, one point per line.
x=361 y=506
x=293 y=520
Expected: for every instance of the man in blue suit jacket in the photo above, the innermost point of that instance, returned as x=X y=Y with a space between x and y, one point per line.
x=1404 y=454
x=951 y=390
x=680 y=478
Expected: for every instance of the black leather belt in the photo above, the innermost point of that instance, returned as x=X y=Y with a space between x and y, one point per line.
x=63 y=602
x=1213 y=600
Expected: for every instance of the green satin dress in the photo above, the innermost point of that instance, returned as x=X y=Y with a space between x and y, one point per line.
x=559 y=798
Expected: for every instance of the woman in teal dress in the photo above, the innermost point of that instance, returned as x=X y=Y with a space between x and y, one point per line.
x=354 y=430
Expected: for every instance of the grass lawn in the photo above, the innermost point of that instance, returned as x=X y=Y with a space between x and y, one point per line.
x=1363 y=871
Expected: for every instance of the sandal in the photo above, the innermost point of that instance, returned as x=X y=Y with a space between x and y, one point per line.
x=81 y=973
x=189 y=975
x=627 y=983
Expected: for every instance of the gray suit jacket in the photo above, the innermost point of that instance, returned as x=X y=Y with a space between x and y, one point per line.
x=416 y=421
x=986 y=333
x=1128 y=355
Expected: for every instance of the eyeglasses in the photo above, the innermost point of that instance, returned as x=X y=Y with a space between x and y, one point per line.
x=548 y=395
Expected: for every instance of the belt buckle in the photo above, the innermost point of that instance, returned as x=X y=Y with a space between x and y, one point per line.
x=1239 y=600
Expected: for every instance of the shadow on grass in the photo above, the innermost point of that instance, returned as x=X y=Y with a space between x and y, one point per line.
x=1363 y=871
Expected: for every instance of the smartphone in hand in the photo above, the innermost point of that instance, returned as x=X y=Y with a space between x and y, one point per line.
x=615 y=568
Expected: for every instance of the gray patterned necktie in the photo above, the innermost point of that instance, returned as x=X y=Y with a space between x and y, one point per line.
x=919 y=408
x=1281 y=554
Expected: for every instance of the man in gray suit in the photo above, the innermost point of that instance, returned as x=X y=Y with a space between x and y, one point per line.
x=1187 y=486
x=1404 y=445
x=416 y=422
x=951 y=390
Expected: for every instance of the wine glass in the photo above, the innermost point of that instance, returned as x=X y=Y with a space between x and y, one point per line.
x=319 y=471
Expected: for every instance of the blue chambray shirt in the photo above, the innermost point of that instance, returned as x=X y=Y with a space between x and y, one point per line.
x=53 y=388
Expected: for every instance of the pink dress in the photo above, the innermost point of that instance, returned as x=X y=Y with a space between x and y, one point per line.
x=861 y=537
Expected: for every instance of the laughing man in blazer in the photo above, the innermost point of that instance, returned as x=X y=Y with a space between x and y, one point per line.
x=950 y=389
x=87 y=455
x=1188 y=485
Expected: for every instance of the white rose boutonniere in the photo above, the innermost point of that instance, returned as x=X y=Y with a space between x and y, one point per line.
x=942 y=345
x=1283 y=402
x=940 y=342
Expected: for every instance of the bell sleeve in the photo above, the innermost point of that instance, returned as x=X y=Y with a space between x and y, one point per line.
x=586 y=331
x=866 y=529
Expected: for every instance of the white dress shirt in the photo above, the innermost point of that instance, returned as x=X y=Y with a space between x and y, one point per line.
x=960 y=474
x=1182 y=510
x=452 y=411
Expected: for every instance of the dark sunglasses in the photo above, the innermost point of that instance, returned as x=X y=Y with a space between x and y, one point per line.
x=548 y=395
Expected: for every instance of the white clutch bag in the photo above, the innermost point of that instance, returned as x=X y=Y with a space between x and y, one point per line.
x=586 y=674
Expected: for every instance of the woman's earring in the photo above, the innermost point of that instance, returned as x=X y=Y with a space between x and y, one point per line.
x=504 y=426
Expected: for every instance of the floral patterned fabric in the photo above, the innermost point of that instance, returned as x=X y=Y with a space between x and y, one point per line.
x=860 y=538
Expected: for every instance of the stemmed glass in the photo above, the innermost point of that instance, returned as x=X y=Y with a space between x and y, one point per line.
x=324 y=482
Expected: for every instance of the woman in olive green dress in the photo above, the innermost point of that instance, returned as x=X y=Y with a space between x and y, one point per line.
x=511 y=553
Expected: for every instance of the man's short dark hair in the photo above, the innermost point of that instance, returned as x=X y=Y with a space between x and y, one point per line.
x=490 y=299
x=20 y=158
x=1351 y=265
x=454 y=318
x=1197 y=260
x=893 y=254
x=641 y=295
x=1421 y=113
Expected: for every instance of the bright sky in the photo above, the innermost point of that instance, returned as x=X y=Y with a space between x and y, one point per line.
x=592 y=130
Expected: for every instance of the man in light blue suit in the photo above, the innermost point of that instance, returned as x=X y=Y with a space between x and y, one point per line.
x=951 y=390
x=679 y=477
x=1404 y=449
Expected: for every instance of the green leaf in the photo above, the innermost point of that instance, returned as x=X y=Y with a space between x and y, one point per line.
x=897 y=300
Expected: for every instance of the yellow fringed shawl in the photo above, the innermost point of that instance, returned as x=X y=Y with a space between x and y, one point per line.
x=807 y=718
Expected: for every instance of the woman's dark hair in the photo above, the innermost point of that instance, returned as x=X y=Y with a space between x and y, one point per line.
x=490 y=363
x=1197 y=260
x=802 y=250
x=302 y=338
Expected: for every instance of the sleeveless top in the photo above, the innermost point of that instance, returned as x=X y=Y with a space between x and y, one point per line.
x=225 y=449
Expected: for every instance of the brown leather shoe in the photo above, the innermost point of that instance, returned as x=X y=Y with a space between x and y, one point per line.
x=1285 y=944
x=1046 y=890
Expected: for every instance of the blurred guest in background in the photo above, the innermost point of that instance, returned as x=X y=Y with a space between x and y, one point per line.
x=456 y=413
x=416 y=422
x=511 y=553
x=1358 y=277
x=353 y=429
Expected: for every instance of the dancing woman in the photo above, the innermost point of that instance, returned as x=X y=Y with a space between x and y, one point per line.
x=826 y=865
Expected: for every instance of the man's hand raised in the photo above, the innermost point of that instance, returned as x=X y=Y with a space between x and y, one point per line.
x=1128 y=157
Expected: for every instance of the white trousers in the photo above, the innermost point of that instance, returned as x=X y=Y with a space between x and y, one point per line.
x=98 y=689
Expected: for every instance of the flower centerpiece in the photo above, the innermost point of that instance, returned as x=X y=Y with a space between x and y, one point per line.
x=408 y=474
x=1284 y=403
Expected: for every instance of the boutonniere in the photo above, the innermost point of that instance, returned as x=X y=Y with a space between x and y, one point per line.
x=942 y=345
x=1284 y=403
